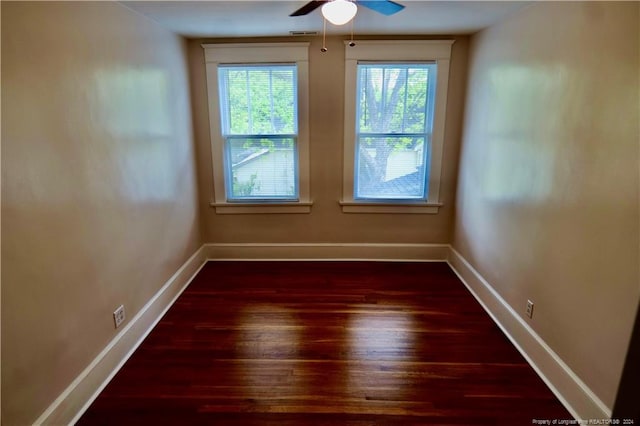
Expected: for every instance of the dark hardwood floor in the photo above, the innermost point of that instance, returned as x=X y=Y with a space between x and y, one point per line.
x=335 y=343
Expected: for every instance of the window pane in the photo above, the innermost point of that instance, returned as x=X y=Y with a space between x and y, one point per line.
x=258 y=100
x=394 y=119
x=393 y=98
x=261 y=169
x=390 y=167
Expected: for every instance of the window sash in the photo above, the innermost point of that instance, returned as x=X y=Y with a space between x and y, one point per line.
x=363 y=69
x=224 y=90
x=228 y=172
x=362 y=195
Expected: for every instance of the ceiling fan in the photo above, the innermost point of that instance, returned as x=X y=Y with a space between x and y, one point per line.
x=386 y=7
x=339 y=12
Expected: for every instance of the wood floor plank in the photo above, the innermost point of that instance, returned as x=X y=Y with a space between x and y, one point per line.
x=325 y=343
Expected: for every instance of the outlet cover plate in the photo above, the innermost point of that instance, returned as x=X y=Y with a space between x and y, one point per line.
x=529 y=309
x=118 y=316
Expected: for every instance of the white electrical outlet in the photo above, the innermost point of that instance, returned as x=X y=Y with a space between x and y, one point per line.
x=529 y=309
x=118 y=316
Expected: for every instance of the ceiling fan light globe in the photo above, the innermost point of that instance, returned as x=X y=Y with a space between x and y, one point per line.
x=339 y=12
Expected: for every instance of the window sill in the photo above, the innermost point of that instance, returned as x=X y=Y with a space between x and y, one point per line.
x=402 y=207
x=262 y=208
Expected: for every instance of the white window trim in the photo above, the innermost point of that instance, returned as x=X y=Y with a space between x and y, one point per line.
x=251 y=53
x=395 y=50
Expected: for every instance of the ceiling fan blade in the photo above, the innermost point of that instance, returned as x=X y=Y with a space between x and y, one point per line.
x=309 y=7
x=386 y=7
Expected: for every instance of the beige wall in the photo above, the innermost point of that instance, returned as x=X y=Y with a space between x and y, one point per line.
x=326 y=222
x=547 y=205
x=99 y=200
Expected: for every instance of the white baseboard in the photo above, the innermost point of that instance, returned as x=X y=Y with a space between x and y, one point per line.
x=77 y=397
x=574 y=394
x=329 y=251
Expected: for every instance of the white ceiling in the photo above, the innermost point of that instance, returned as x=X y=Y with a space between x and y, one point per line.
x=271 y=18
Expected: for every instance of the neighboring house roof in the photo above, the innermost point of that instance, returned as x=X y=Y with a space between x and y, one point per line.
x=410 y=184
x=250 y=157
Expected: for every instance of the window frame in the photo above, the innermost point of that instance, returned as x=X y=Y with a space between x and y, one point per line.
x=395 y=51
x=255 y=54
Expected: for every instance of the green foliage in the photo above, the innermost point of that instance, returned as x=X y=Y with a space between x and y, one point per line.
x=245 y=189
x=261 y=100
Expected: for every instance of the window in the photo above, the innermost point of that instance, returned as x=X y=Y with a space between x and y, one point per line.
x=258 y=119
x=393 y=128
x=395 y=100
x=258 y=113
